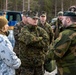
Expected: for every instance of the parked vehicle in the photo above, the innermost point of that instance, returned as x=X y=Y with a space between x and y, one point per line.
x=13 y=18
x=1 y=13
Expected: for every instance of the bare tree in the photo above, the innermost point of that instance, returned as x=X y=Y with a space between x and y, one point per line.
x=62 y=5
x=55 y=8
x=28 y=5
x=23 y=4
x=6 y=4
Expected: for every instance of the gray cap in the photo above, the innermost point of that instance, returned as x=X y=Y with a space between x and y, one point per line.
x=72 y=9
x=43 y=13
x=34 y=14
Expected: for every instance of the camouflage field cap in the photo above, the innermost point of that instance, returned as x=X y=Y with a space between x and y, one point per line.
x=34 y=15
x=43 y=13
x=68 y=13
x=26 y=13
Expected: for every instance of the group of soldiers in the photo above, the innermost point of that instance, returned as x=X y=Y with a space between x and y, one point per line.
x=35 y=43
x=32 y=42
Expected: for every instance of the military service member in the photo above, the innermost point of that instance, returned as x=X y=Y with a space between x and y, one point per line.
x=17 y=30
x=58 y=24
x=64 y=48
x=46 y=26
x=33 y=42
x=72 y=9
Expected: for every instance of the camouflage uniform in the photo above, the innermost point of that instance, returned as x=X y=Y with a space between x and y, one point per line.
x=48 y=29
x=49 y=66
x=64 y=51
x=17 y=30
x=18 y=27
x=33 y=44
x=58 y=28
x=56 y=24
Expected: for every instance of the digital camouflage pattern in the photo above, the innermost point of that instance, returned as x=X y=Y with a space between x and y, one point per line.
x=57 y=27
x=64 y=51
x=48 y=29
x=33 y=45
x=17 y=30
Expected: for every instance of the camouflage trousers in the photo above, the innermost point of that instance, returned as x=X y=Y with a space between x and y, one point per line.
x=31 y=71
x=71 y=70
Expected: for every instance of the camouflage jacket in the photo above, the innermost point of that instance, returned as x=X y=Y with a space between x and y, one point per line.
x=64 y=51
x=57 y=27
x=33 y=42
x=47 y=28
x=17 y=30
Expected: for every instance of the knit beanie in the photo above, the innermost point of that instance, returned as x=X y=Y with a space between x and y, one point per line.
x=3 y=21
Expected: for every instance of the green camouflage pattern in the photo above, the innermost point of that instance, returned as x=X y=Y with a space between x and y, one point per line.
x=58 y=27
x=48 y=29
x=33 y=44
x=17 y=30
x=49 y=66
x=64 y=51
x=32 y=71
